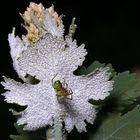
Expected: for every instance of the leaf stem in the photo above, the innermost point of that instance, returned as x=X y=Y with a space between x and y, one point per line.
x=56 y=132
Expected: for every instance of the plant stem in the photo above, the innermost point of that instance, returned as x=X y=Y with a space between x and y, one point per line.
x=56 y=132
x=72 y=28
x=50 y=134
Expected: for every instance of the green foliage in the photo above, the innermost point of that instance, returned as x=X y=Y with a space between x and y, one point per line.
x=94 y=66
x=125 y=91
x=117 y=127
x=126 y=88
x=91 y=68
x=23 y=135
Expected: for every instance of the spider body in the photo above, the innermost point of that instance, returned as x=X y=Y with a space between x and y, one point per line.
x=61 y=90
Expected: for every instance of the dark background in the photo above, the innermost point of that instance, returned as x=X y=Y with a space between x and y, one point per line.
x=110 y=30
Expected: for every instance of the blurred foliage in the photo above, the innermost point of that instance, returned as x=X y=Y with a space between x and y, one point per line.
x=24 y=135
x=117 y=127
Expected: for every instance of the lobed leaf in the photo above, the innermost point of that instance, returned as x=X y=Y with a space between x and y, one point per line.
x=125 y=91
x=117 y=127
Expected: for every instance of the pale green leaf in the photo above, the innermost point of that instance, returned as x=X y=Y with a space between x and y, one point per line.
x=94 y=66
x=125 y=91
x=117 y=127
x=24 y=135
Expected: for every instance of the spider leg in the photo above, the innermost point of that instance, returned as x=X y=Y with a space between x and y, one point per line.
x=53 y=79
x=69 y=97
x=70 y=91
x=66 y=85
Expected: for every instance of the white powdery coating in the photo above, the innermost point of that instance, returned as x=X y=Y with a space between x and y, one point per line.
x=54 y=57
x=17 y=46
x=51 y=56
x=42 y=105
x=51 y=26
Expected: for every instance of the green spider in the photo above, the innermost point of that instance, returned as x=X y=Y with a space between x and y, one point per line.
x=61 y=90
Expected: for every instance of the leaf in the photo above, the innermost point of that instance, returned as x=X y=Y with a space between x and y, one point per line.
x=125 y=91
x=24 y=135
x=94 y=66
x=117 y=127
x=14 y=137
